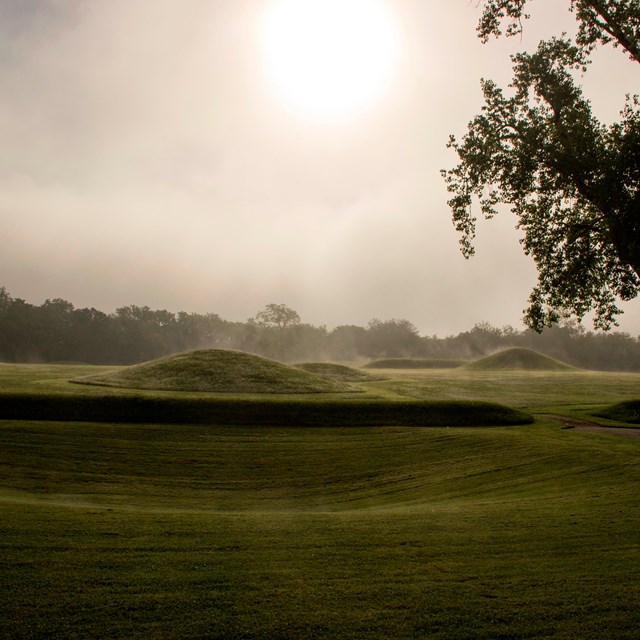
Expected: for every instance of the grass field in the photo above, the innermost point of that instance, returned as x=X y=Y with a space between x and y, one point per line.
x=205 y=531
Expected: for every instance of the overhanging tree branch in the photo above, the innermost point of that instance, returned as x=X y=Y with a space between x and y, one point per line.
x=572 y=182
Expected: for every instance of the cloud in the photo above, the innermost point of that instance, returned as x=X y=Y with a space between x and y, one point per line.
x=146 y=161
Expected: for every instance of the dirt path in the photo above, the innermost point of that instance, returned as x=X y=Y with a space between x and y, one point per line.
x=593 y=427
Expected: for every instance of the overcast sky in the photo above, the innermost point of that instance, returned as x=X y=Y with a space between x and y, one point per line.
x=147 y=159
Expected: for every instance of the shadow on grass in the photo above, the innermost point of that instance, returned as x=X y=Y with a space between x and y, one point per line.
x=259 y=412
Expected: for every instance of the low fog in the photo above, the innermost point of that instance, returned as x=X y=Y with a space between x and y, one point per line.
x=146 y=160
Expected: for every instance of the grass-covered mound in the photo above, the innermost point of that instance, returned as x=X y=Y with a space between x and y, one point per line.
x=415 y=363
x=258 y=412
x=518 y=359
x=335 y=371
x=623 y=412
x=216 y=370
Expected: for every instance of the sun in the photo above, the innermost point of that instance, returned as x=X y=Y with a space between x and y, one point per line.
x=329 y=60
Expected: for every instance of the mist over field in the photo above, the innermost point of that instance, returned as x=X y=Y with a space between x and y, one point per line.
x=147 y=160
x=57 y=332
x=249 y=386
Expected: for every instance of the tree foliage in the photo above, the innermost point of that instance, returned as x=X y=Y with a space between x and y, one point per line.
x=277 y=315
x=392 y=338
x=572 y=181
x=599 y=22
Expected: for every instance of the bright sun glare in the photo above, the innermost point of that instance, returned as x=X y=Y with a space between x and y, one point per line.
x=329 y=60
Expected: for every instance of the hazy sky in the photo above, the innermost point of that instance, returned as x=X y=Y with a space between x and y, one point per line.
x=147 y=158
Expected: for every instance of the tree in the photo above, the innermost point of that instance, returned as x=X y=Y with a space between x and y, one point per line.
x=482 y=340
x=572 y=182
x=277 y=315
x=5 y=299
x=599 y=22
x=348 y=342
x=56 y=329
x=392 y=339
x=274 y=336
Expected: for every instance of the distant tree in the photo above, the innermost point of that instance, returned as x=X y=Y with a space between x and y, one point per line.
x=270 y=332
x=305 y=342
x=347 y=342
x=92 y=335
x=573 y=182
x=5 y=299
x=56 y=329
x=145 y=333
x=196 y=331
x=393 y=338
x=481 y=340
x=277 y=315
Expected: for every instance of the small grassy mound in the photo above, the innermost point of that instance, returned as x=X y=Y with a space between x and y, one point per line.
x=216 y=370
x=335 y=371
x=518 y=359
x=415 y=363
x=623 y=412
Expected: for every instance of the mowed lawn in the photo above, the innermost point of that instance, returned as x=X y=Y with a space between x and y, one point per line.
x=189 y=531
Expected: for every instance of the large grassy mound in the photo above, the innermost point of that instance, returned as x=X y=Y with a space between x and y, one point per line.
x=336 y=371
x=216 y=370
x=518 y=359
x=415 y=363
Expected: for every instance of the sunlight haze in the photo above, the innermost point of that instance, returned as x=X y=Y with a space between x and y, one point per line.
x=210 y=156
x=329 y=59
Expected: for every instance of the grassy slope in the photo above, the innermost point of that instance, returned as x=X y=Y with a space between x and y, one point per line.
x=518 y=359
x=526 y=389
x=224 y=468
x=216 y=370
x=264 y=412
x=415 y=363
x=23 y=394
x=336 y=371
x=191 y=532
x=151 y=531
x=623 y=411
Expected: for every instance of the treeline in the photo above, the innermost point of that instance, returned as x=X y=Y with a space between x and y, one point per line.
x=58 y=332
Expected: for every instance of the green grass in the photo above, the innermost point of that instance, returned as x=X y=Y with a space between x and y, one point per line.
x=210 y=469
x=415 y=363
x=116 y=530
x=523 y=389
x=192 y=532
x=518 y=359
x=266 y=412
x=336 y=371
x=48 y=395
x=623 y=411
x=531 y=390
x=455 y=572
x=216 y=370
